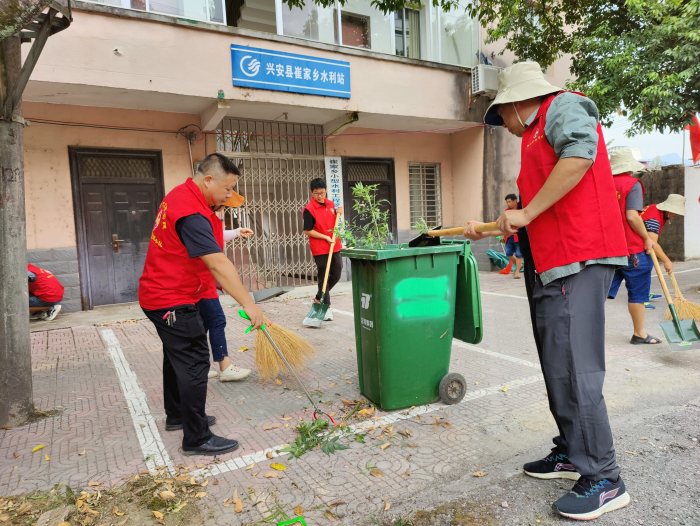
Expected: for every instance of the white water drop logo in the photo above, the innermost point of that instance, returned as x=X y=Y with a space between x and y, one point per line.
x=253 y=66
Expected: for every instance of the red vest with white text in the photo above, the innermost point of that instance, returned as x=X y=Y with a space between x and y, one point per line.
x=582 y=225
x=170 y=277
x=46 y=287
x=623 y=185
x=325 y=220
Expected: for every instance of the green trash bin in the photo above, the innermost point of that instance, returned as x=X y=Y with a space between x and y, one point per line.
x=404 y=305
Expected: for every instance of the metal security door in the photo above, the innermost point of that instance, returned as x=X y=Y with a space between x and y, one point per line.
x=277 y=163
x=116 y=194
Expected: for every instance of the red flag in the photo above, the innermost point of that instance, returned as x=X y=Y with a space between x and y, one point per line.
x=694 y=130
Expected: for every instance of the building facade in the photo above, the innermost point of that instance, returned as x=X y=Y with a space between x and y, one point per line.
x=124 y=104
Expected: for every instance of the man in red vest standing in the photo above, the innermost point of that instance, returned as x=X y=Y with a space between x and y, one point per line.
x=185 y=248
x=577 y=241
x=637 y=273
x=319 y=220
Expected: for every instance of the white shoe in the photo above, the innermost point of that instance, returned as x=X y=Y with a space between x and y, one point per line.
x=232 y=373
x=213 y=374
x=53 y=313
x=329 y=315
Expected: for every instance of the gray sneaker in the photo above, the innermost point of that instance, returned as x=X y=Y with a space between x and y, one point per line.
x=53 y=313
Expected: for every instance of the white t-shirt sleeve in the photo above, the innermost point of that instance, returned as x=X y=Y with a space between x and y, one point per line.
x=231 y=234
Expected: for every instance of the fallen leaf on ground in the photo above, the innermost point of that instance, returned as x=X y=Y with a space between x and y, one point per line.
x=269 y=454
x=329 y=516
x=235 y=495
x=59 y=524
x=204 y=484
x=505 y=388
x=16 y=455
x=278 y=382
x=334 y=504
x=238 y=506
x=158 y=515
x=376 y=473
x=270 y=474
x=199 y=466
x=387 y=506
x=278 y=467
x=122 y=523
x=24 y=508
x=287 y=418
x=298 y=510
x=644 y=438
x=37 y=448
x=116 y=511
x=167 y=495
x=447 y=425
x=201 y=494
x=182 y=478
x=243 y=349
x=94 y=483
x=385 y=445
x=48 y=458
x=630 y=452
x=215 y=483
x=408 y=472
x=331 y=385
x=250 y=467
x=81 y=454
x=480 y=473
x=256 y=473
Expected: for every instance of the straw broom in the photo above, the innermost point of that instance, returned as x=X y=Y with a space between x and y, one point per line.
x=296 y=350
x=687 y=310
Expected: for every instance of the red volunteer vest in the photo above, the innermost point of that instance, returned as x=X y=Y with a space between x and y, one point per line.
x=46 y=287
x=623 y=185
x=170 y=277
x=582 y=225
x=651 y=212
x=325 y=220
x=209 y=282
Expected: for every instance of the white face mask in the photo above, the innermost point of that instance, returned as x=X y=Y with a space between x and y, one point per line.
x=518 y=115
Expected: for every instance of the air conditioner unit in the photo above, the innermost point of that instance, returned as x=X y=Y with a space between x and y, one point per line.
x=485 y=79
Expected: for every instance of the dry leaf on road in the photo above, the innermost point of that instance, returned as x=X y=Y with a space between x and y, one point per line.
x=270 y=474
x=376 y=473
x=329 y=516
x=37 y=448
x=243 y=349
x=122 y=523
x=94 y=483
x=167 y=495
x=298 y=510
x=480 y=473
x=385 y=445
x=447 y=425
x=201 y=494
x=48 y=458
x=238 y=507
x=16 y=454
x=278 y=382
x=278 y=467
x=250 y=467
x=158 y=515
x=269 y=454
x=81 y=454
x=387 y=506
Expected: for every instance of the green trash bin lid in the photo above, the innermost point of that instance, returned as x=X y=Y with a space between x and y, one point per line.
x=468 y=326
x=397 y=251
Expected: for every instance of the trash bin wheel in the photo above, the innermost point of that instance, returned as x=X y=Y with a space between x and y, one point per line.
x=452 y=389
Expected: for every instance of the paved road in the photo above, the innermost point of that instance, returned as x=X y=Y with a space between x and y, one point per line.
x=106 y=381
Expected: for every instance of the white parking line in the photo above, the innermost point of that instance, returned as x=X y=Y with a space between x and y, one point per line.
x=343 y=312
x=689 y=270
x=144 y=423
x=504 y=295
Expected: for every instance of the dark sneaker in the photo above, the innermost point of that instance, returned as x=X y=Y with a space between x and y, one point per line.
x=554 y=466
x=589 y=500
x=215 y=446
x=53 y=313
x=176 y=425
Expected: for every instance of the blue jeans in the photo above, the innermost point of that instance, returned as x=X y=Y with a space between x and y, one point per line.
x=637 y=278
x=215 y=324
x=36 y=302
x=513 y=248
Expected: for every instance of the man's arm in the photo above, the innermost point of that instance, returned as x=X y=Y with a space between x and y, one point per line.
x=668 y=264
x=567 y=173
x=636 y=223
x=318 y=235
x=471 y=233
x=225 y=273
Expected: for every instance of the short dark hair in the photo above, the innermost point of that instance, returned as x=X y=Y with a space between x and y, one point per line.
x=317 y=183
x=512 y=196
x=218 y=166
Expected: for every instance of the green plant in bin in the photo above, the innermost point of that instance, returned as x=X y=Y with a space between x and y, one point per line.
x=421 y=226
x=370 y=228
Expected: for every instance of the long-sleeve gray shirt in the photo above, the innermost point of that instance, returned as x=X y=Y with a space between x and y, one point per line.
x=571 y=128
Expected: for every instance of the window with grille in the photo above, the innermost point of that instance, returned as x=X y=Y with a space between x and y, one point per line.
x=425 y=193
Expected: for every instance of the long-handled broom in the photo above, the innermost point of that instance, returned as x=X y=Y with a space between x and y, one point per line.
x=686 y=310
x=268 y=361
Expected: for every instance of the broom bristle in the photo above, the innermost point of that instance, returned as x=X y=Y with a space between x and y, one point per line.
x=295 y=349
x=686 y=310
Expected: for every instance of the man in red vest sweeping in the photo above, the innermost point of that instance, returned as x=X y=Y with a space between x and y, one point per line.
x=185 y=248
x=319 y=220
x=572 y=220
x=637 y=273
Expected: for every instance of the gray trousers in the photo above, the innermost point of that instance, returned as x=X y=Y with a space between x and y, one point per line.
x=570 y=320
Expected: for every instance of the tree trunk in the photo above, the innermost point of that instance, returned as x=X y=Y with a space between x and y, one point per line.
x=15 y=349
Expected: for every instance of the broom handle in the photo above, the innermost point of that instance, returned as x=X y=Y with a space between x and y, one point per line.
x=676 y=288
x=281 y=355
x=328 y=263
x=457 y=231
x=667 y=295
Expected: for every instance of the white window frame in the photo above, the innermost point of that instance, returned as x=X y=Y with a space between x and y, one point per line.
x=421 y=186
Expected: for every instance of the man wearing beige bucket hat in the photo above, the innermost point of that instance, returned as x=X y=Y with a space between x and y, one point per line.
x=637 y=273
x=571 y=221
x=655 y=218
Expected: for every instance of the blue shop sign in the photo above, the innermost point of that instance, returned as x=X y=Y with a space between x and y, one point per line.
x=279 y=71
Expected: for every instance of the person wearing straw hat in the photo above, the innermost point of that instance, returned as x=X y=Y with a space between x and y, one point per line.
x=656 y=216
x=637 y=272
x=213 y=315
x=570 y=213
